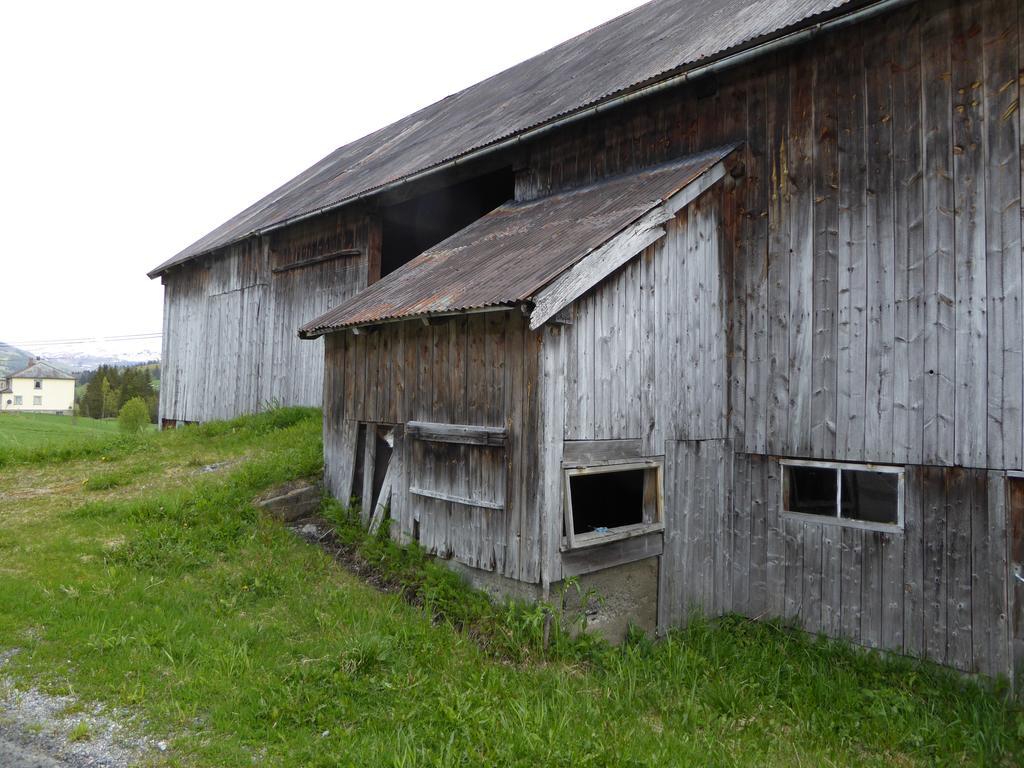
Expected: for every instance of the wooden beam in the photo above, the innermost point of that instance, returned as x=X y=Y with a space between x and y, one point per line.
x=317 y=260
x=462 y=434
x=383 y=500
x=442 y=496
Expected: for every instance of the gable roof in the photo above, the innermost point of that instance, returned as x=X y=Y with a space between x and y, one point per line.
x=40 y=370
x=515 y=252
x=654 y=42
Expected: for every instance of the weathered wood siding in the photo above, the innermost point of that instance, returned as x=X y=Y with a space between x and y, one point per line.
x=230 y=321
x=645 y=353
x=875 y=304
x=479 y=370
x=941 y=588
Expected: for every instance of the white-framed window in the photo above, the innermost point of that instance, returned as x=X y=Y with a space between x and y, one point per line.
x=613 y=501
x=37 y=384
x=17 y=399
x=868 y=496
x=37 y=400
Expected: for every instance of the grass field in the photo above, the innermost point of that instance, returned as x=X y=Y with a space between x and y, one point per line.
x=40 y=430
x=131 y=577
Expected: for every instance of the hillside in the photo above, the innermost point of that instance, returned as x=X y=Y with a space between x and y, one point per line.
x=12 y=359
x=139 y=577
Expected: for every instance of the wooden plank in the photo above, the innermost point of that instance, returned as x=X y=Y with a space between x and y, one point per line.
x=879 y=251
x=934 y=590
x=871 y=590
x=1003 y=163
x=800 y=183
x=831 y=580
x=383 y=499
x=462 y=434
x=958 y=568
x=892 y=593
x=757 y=600
x=971 y=399
x=1015 y=592
x=369 y=463
x=908 y=169
x=1000 y=577
x=779 y=220
x=430 y=493
x=303 y=263
x=939 y=341
x=552 y=429
x=825 y=297
x=775 y=543
x=794 y=569
x=852 y=346
x=583 y=561
x=811 y=597
x=983 y=584
x=597 y=265
x=853 y=555
x=584 y=452
x=741 y=519
x=755 y=230
x=913 y=562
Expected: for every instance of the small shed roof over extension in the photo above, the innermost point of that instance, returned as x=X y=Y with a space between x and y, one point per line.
x=546 y=252
x=650 y=45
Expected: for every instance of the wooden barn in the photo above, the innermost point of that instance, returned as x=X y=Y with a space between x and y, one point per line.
x=716 y=307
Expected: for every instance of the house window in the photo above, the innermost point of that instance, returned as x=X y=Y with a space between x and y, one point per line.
x=37 y=400
x=17 y=399
x=855 y=495
x=610 y=502
x=38 y=384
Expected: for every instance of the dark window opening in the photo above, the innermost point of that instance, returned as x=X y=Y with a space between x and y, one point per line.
x=607 y=500
x=411 y=227
x=843 y=493
x=382 y=457
x=870 y=496
x=38 y=384
x=610 y=502
x=812 y=490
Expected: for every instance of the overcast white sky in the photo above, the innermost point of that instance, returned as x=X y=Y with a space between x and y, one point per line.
x=128 y=130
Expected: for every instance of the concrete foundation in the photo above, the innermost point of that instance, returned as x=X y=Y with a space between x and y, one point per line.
x=611 y=599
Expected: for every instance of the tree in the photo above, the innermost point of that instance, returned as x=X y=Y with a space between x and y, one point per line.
x=109 y=401
x=134 y=415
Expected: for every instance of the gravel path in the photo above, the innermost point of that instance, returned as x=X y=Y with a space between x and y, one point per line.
x=39 y=730
x=14 y=753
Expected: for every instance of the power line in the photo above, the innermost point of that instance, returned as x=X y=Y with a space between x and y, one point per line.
x=89 y=340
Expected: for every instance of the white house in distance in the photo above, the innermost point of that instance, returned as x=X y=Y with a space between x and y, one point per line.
x=40 y=388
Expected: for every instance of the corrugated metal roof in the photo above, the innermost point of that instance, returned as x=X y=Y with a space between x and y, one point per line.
x=653 y=42
x=511 y=253
x=41 y=370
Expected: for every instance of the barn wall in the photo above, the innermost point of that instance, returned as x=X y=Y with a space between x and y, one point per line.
x=478 y=370
x=230 y=321
x=876 y=233
x=645 y=353
x=940 y=588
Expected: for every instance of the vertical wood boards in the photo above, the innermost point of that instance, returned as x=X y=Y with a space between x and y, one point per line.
x=940 y=291
x=230 y=344
x=642 y=363
x=692 y=576
x=971 y=302
x=825 y=267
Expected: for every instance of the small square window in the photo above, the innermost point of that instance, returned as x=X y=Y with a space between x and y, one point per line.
x=17 y=399
x=610 y=502
x=38 y=384
x=856 y=495
x=37 y=400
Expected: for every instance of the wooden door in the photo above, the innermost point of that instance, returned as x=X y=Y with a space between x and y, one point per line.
x=1016 y=523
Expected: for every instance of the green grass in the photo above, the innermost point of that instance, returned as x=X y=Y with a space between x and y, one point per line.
x=130 y=577
x=25 y=431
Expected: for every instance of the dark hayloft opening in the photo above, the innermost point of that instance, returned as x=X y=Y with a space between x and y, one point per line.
x=607 y=500
x=412 y=227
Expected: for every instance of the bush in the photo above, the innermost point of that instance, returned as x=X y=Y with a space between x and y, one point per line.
x=134 y=415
